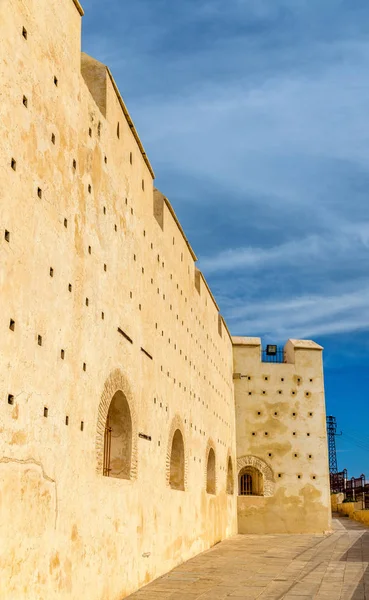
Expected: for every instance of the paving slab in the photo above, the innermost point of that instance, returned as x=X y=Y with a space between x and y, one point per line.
x=274 y=567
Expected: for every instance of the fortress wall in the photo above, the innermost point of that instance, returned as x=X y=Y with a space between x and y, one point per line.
x=281 y=423
x=67 y=531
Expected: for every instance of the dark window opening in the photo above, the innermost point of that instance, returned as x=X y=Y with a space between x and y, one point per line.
x=246 y=485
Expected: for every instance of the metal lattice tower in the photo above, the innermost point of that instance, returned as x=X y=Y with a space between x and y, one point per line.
x=332 y=432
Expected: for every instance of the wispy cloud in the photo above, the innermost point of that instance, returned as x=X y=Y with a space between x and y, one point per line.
x=314 y=251
x=304 y=316
x=254 y=114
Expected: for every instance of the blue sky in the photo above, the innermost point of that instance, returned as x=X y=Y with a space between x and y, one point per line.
x=255 y=116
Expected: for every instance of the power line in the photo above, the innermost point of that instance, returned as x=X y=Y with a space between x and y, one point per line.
x=356 y=442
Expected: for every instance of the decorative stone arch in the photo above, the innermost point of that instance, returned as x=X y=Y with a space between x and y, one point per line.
x=176 y=425
x=210 y=477
x=116 y=382
x=263 y=468
x=229 y=474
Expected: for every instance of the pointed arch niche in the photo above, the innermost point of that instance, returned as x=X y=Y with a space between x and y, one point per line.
x=116 y=439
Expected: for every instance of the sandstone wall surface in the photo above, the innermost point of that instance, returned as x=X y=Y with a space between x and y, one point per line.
x=98 y=295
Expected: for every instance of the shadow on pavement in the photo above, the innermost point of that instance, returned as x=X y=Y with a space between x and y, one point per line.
x=358 y=552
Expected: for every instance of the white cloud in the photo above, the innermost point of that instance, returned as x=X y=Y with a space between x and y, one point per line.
x=310 y=251
x=304 y=316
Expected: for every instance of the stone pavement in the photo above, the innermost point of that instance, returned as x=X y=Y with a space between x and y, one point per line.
x=272 y=567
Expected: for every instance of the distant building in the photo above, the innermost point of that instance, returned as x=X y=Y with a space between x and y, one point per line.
x=135 y=431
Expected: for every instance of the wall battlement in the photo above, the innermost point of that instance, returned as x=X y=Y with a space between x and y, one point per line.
x=294 y=351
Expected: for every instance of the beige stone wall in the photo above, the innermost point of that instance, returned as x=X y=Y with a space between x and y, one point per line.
x=81 y=256
x=354 y=510
x=350 y=508
x=281 y=431
x=336 y=499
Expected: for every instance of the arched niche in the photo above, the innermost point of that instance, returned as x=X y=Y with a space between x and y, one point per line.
x=118 y=439
x=177 y=462
x=210 y=472
x=262 y=477
x=230 y=479
x=116 y=457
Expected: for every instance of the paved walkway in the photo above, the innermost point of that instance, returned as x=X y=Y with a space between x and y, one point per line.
x=272 y=567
